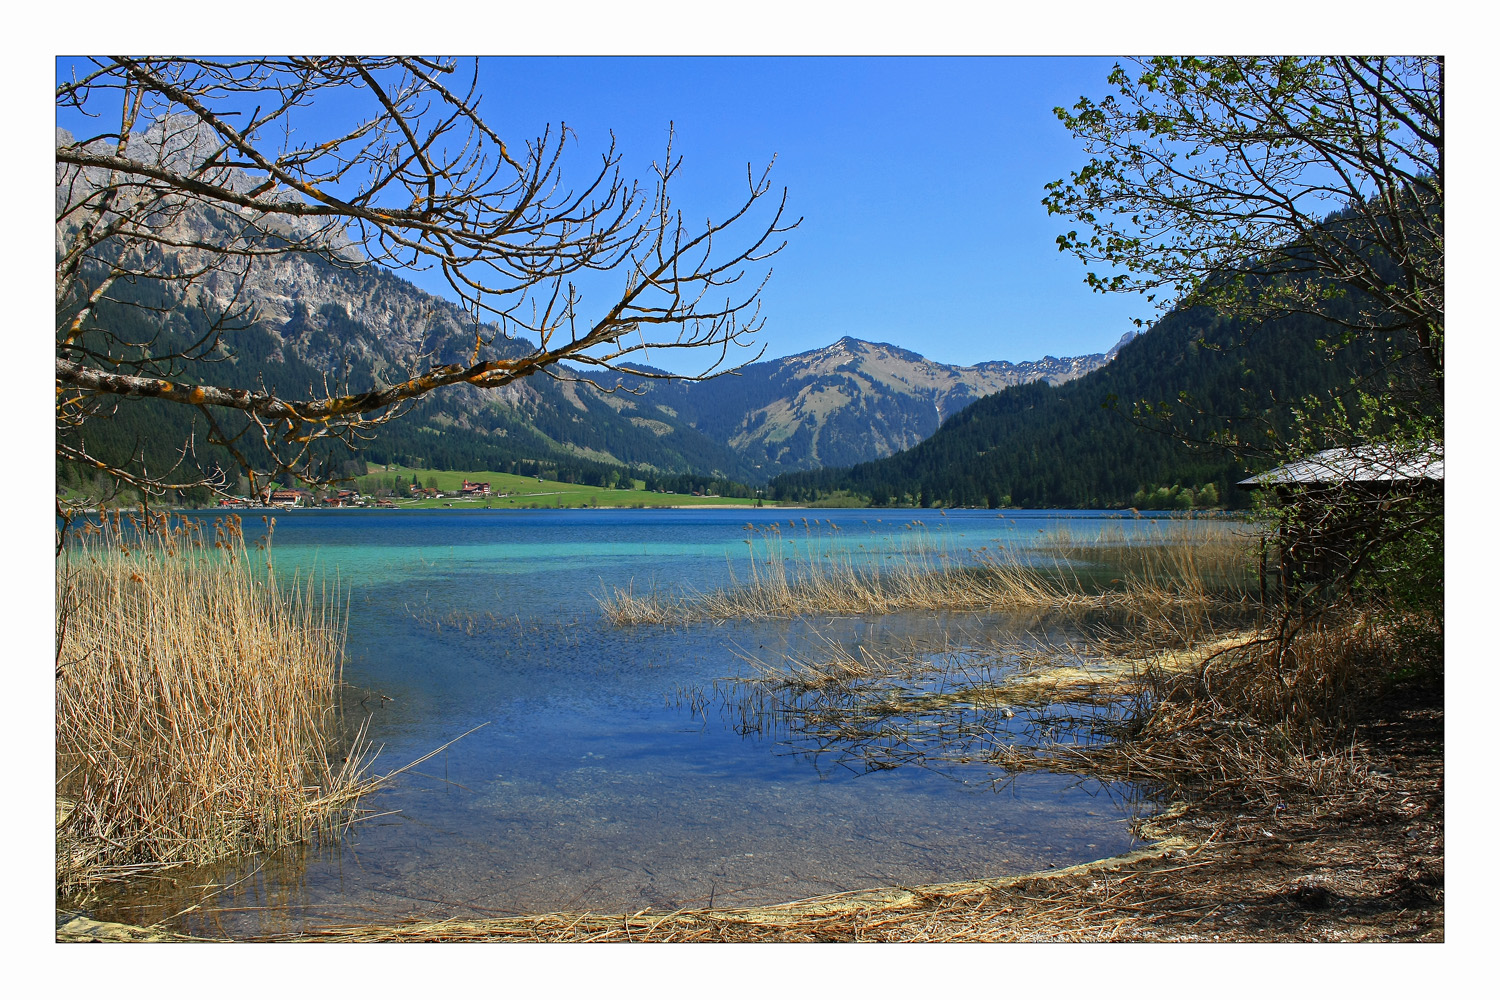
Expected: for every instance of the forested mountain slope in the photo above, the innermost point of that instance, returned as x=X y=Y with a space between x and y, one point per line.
x=1079 y=445
x=538 y=425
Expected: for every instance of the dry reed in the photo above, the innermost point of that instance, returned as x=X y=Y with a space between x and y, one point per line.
x=195 y=702
x=1258 y=719
x=989 y=695
x=1200 y=552
x=1171 y=566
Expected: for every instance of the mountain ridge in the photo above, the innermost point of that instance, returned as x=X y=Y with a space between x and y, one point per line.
x=339 y=314
x=851 y=401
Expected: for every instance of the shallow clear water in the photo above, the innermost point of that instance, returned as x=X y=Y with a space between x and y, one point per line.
x=606 y=776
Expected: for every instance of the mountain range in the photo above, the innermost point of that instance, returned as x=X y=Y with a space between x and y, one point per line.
x=850 y=402
x=311 y=318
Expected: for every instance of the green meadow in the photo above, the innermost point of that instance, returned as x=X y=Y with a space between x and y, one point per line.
x=523 y=492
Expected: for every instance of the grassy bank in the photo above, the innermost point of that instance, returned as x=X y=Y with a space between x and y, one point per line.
x=195 y=705
x=529 y=492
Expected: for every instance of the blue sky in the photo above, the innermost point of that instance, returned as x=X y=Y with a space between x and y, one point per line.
x=919 y=181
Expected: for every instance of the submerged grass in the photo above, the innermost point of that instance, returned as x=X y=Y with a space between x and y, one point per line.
x=1205 y=710
x=879 y=708
x=1175 y=563
x=1180 y=683
x=195 y=702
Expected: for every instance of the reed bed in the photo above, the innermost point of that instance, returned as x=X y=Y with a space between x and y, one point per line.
x=1182 y=685
x=1133 y=602
x=1268 y=716
x=1168 y=567
x=1205 y=553
x=195 y=701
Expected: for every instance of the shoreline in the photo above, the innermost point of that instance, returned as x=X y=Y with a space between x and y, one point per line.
x=1121 y=513
x=1363 y=865
x=79 y=927
x=1310 y=871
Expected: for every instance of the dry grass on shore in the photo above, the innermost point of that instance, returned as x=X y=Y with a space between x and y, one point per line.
x=1260 y=717
x=195 y=706
x=1178 y=563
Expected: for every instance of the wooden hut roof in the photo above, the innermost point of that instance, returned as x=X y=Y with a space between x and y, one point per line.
x=1366 y=464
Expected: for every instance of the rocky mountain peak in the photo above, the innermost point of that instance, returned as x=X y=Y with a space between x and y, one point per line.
x=1127 y=338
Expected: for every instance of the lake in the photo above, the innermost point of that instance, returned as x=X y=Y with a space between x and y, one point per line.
x=614 y=770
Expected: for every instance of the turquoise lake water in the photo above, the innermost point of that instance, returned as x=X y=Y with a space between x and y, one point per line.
x=608 y=775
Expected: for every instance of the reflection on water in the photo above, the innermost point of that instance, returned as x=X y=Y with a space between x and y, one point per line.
x=615 y=773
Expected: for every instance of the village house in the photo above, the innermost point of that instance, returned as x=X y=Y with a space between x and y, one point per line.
x=344 y=498
x=474 y=489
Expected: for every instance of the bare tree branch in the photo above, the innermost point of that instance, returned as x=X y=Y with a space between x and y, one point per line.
x=209 y=174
